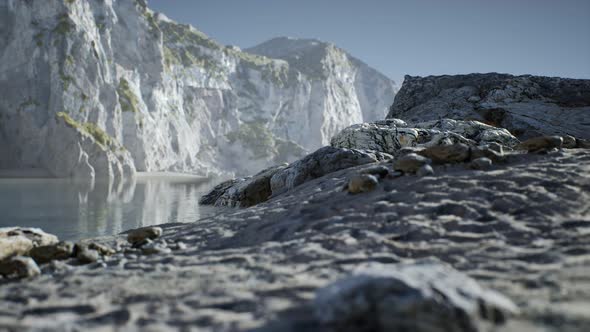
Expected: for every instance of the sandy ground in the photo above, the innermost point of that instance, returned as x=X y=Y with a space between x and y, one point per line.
x=522 y=229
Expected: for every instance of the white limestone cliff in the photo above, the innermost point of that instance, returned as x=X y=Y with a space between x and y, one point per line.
x=169 y=96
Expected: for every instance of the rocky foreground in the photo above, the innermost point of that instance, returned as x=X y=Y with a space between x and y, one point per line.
x=436 y=226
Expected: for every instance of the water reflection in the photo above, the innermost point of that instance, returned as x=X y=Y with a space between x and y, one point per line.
x=79 y=210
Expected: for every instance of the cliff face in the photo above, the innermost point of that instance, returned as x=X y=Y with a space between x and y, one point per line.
x=169 y=97
x=525 y=105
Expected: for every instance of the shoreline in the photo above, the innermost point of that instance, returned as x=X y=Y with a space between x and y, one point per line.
x=38 y=173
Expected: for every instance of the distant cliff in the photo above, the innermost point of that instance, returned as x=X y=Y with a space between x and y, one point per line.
x=104 y=88
x=525 y=105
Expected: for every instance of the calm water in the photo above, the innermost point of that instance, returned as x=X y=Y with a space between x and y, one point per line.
x=74 y=211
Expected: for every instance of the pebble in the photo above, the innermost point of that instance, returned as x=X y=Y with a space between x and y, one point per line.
x=446 y=154
x=541 y=143
x=410 y=163
x=137 y=236
x=362 y=183
x=425 y=170
x=59 y=251
x=482 y=163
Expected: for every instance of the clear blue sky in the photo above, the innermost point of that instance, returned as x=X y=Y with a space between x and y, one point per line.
x=416 y=37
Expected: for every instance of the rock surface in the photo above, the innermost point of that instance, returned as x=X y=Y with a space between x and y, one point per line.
x=172 y=97
x=527 y=106
x=393 y=135
x=421 y=297
x=520 y=229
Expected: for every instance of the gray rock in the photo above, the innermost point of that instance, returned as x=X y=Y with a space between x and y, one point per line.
x=410 y=163
x=493 y=153
x=482 y=163
x=59 y=251
x=447 y=154
x=362 y=183
x=153 y=248
x=582 y=143
x=19 y=267
x=20 y=240
x=379 y=171
x=248 y=191
x=569 y=142
x=211 y=197
x=393 y=139
x=323 y=161
x=542 y=143
x=527 y=106
x=425 y=296
x=87 y=256
x=139 y=235
x=425 y=170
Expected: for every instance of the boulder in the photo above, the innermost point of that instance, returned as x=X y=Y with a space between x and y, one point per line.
x=362 y=183
x=423 y=297
x=19 y=267
x=59 y=251
x=20 y=240
x=248 y=191
x=319 y=163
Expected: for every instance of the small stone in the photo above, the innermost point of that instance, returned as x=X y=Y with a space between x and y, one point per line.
x=410 y=163
x=487 y=152
x=542 y=143
x=380 y=171
x=582 y=143
x=496 y=147
x=87 y=256
x=474 y=99
x=59 y=251
x=362 y=183
x=445 y=154
x=569 y=142
x=154 y=248
x=181 y=246
x=425 y=170
x=138 y=236
x=482 y=163
x=19 y=267
x=101 y=248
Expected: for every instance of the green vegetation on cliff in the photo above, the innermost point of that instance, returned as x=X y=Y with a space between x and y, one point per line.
x=103 y=139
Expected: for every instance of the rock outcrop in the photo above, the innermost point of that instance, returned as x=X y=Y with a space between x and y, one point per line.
x=173 y=98
x=527 y=106
x=392 y=135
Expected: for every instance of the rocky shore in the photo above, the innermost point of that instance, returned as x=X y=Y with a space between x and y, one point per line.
x=438 y=226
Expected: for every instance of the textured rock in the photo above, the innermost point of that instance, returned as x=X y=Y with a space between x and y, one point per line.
x=19 y=267
x=19 y=240
x=421 y=297
x=569 y=142
x=394 y=136
x=425 y=170
x=410 y=163
x=527 y=106
x=246 y=192
x=139 y=235
x=447 y=154
x=171 y=96
x=541 y=143
x=323 y=161
x=362 y=183
x=58 y=251
x=482 y=163
x=86 y=255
